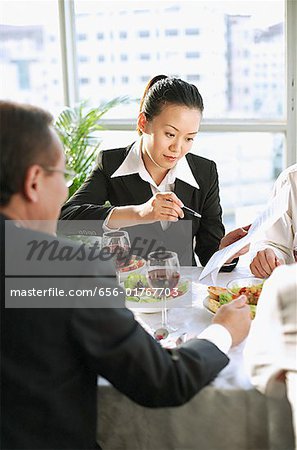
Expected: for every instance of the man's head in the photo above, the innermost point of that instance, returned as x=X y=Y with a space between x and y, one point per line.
x=32 y=163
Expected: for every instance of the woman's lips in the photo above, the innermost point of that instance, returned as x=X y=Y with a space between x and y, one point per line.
x=170 y=158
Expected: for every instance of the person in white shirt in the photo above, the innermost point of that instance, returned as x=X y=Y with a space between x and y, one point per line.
x=271 y=346
x=277 y=247
x=150 y=181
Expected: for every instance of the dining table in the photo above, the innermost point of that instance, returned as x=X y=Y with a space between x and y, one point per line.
x=228 y=414
x=192 y=316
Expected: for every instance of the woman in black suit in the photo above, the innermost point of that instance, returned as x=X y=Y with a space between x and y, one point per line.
x=151 y=180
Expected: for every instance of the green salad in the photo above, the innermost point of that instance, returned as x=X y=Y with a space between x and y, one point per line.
x=138 y=290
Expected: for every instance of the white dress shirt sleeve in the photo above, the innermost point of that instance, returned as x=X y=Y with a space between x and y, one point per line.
x=105 y=226
x=271 y=344
x=218 y=335
x=282 y=235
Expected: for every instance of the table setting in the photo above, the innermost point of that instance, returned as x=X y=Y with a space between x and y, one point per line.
x=193 y=317
x=172 y=302
x=228 y=414
x=231 y=393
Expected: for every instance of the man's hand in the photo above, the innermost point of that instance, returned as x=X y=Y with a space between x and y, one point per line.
x=264 y=263
x=234 y=236
x=236 y=318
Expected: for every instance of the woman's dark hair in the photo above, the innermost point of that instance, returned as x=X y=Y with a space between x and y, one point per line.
x=163 y=90
x=25 y=139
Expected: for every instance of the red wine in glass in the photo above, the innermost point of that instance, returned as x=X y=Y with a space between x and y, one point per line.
x=163 y=278
x=122 y=255
x=118 y=244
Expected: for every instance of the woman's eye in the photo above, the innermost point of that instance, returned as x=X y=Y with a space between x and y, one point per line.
x=190 y=139
x=169 y=135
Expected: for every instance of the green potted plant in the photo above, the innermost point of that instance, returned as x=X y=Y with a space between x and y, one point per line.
x=76 y=127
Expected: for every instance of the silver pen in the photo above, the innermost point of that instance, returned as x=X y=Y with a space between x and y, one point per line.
x=191 y=211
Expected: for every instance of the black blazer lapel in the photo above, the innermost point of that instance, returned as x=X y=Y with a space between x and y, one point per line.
x=139 y=190
x=184 y=192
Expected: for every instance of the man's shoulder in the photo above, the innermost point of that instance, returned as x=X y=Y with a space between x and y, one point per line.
x=285 y=278
x=14 y=231
x=288 y=175
x=38 y=253
x=283 y=284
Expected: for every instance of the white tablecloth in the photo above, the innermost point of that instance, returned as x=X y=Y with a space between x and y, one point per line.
x=194 y=318
x=229 y=415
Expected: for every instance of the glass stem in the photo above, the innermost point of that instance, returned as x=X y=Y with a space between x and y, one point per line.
x=164 y=313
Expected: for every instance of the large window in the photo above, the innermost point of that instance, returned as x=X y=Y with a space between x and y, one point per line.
x=233 y=51
x=30 y=55
x=241 y=55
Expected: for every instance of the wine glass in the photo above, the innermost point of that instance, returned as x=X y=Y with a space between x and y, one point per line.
x=117 y=244
x=163 y=272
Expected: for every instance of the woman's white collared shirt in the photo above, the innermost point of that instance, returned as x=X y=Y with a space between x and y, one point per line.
x=133 y=163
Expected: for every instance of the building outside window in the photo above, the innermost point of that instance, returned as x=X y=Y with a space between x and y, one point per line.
x=143 y=33
x=192 y=31
x=171 y=32
x=235 y=52
x=30 y=57
x=144 y=56
x=102 y=80
x=82 y=37
x=192 y=55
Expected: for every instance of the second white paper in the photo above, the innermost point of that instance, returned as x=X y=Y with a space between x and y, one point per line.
x=273 y=211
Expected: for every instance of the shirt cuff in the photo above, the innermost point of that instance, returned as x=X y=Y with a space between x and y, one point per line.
x=105 y=227
x=218 y=335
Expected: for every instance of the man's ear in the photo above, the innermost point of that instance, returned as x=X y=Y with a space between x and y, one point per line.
x=142 y=122
x=32 y=183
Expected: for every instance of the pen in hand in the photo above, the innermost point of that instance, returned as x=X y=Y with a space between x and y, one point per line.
x=188 y=210
x=191 y=211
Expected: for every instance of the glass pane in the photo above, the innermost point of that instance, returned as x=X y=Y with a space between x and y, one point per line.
x=30 y=53
x=247 y=163
x=233 y=51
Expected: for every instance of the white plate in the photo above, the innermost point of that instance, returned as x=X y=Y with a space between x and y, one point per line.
x=178 y=302
x=206 y=305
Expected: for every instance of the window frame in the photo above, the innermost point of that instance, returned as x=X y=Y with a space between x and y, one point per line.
x=288 y=126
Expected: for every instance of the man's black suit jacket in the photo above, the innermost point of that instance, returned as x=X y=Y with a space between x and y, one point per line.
x=87 y=203
x=50 y=359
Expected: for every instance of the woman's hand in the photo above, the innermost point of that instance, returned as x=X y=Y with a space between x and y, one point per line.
x=161 y=206
x=232 y=237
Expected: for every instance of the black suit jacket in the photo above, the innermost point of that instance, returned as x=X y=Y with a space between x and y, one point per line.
x=205 y=233
x=50 y=359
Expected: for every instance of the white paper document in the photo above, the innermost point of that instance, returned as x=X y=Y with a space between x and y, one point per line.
x=273 y=211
